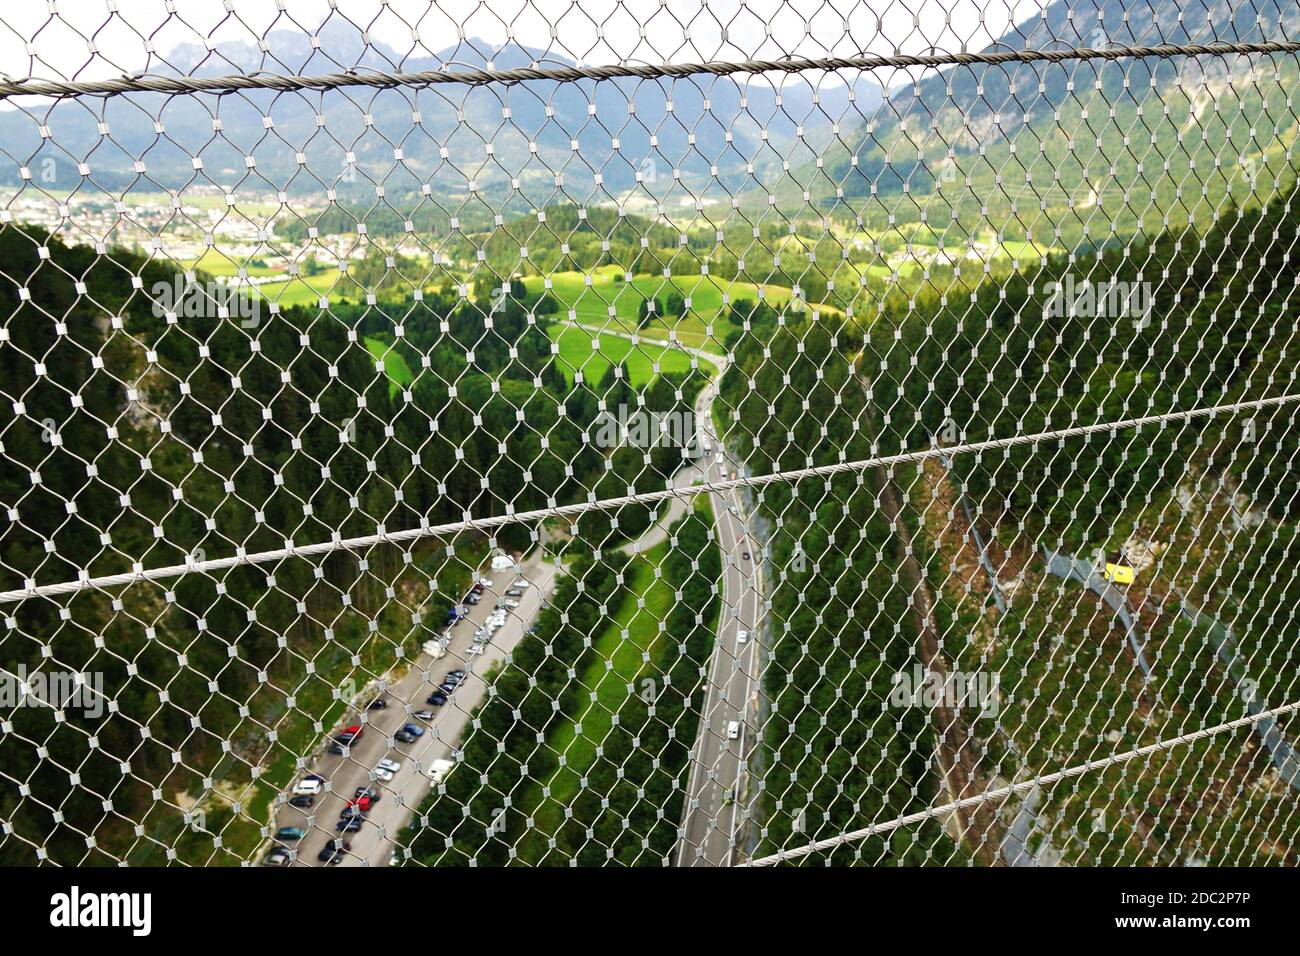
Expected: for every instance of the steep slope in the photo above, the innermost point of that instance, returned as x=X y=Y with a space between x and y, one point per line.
x=1078 y=148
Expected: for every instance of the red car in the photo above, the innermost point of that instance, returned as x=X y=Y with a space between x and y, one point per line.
x=351 y=734
x=361 y=803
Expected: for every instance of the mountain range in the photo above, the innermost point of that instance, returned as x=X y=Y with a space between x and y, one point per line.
x=986 y=142
x=598 y=136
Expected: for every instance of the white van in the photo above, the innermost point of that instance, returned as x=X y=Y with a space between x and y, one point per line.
x=307 y=788
x=439 y=769
x=742 y=637
x=502 y=562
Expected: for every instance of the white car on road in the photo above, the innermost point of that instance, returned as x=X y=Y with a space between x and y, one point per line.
x=733 y=730
x=742 y=636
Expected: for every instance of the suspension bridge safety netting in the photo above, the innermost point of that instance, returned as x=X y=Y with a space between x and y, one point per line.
x=648 y=433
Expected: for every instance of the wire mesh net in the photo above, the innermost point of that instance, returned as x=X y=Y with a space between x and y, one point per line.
x=887 y=465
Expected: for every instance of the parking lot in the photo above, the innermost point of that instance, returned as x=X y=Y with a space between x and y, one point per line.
x=344 y=774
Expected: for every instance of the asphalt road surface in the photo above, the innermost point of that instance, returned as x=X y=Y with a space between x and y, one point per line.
x=716 y=775
x=375 y=842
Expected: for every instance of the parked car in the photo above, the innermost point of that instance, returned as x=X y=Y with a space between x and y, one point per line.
x=351 y=825
x=290 y=834
x=434 y=649
x=392 y=766
x=381 y=774
x=351 y=812
x=424 y=715
x=378 y=703
x=439 y=769
x=405 y=737
x=510 y=603
x=333 y=852
x=477 y=587
x=363 y=801
x=472 y=598
x=447 y=688
x=351 y=734
x=521 y=584
x=514 y=592
x=302 y=800
x=308 y=787
x=439 y=699
x=280 y=856
x=369 y=793
x=414 y=729
x=474 y=650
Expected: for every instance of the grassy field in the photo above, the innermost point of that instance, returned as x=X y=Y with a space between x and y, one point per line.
x=399 y=373
x=647 y=644
x=304 y=290
x=620 y=655
x=702 y=327
x=577 y=354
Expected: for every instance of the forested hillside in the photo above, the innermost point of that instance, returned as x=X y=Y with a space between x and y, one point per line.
x=849 y=612
x=148 y=440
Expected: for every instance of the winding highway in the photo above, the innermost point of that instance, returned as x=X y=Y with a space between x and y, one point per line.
x=713 y=817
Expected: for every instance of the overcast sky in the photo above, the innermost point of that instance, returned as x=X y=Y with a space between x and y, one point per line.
x=676 y=30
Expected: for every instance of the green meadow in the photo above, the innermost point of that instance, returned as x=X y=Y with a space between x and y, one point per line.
x=610 y=300
x=578 y=353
